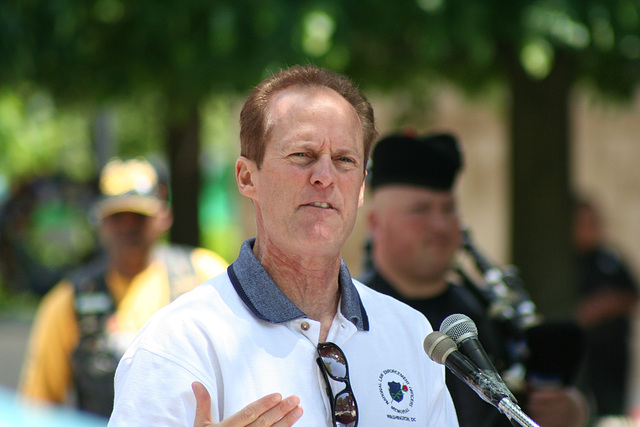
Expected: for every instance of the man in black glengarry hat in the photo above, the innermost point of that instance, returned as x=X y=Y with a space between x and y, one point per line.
x=415 y=236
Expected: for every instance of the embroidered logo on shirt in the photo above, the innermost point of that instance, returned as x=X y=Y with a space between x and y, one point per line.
x=396 y=391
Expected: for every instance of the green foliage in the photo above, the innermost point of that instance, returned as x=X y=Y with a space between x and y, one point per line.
x=155 y=62
x=138 y=124
x=185 y=50
x=62 y=222
x=475 y=43
x=36 y=138
x=40 y=138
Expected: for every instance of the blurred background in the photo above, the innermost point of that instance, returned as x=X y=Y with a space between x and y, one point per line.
x=543 y=96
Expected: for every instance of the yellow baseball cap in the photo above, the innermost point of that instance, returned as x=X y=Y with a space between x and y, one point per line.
x=129 y=186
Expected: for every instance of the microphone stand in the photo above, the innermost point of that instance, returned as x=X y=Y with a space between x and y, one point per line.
x=514 y=413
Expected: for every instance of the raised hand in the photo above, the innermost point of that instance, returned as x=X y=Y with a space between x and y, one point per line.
x=270 y=410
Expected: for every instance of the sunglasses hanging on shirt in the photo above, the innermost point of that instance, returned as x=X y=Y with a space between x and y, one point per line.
x=334 y=367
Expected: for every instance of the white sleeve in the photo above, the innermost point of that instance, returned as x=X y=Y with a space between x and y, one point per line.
x=152 y=389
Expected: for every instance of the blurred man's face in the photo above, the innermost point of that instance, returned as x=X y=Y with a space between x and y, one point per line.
x=587 y=229
x=130 y=230
x=415 y=231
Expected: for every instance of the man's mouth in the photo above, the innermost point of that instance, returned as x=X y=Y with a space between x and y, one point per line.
x=320 y=205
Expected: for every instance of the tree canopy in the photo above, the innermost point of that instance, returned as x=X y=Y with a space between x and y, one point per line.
x=181 y=52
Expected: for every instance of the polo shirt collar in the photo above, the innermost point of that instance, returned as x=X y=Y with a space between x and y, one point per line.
x=263 y=297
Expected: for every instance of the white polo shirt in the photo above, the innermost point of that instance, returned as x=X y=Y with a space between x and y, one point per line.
x=243 y=339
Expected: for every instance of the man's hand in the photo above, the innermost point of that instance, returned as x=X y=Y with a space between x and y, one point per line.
x=561 y=407
x=270 y=410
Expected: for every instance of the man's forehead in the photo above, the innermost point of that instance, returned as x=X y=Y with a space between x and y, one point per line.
x=290 y=101
x=287 y=100
x=409 y=193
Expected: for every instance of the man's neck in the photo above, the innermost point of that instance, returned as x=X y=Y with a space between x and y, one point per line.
x=310 y=284
x=130 y=263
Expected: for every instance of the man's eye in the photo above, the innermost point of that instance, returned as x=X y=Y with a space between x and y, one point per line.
x=420 y=209
x=449 y=209
x=346 y=160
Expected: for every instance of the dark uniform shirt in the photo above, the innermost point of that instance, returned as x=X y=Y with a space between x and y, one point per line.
x=607 y=343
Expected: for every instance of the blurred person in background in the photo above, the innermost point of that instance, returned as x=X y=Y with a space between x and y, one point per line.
x=85 y=323
x=608 y=294
x=414 y=230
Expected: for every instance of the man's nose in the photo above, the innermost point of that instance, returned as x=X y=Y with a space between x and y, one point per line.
x=323 y=172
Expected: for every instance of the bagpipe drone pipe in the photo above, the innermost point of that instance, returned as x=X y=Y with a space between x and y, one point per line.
x=540 y=353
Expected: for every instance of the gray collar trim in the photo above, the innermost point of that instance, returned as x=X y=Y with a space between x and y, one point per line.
x=263 y=297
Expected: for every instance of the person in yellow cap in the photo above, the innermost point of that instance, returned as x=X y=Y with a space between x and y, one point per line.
x=86 y=322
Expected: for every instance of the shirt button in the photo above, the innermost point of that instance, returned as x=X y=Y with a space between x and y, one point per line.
x=305 y=326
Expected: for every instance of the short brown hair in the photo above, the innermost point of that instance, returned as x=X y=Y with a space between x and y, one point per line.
x=254 y=131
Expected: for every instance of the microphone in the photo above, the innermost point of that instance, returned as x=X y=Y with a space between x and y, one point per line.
x=443 y=350
x=464 y=332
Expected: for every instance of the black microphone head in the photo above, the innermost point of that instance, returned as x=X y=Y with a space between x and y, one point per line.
x=556 y=349
x=439 y=346
x=459 y=327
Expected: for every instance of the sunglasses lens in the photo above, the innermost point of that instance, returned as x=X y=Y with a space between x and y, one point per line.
x=335 y=363
x=346 y=410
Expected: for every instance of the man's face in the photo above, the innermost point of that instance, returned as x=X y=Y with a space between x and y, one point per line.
x=415 y=231
x=124 y=231
x=587 y=229
x=311 y=181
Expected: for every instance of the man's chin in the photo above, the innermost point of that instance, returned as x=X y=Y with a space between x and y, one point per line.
x=131 y=245
x=320 y=243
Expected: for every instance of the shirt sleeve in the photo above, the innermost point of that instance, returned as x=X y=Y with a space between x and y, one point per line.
x=46 y=373
x=152 y=389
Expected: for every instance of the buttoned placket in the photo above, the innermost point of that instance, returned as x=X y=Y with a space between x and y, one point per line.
x=340 y=331
x=310 y=329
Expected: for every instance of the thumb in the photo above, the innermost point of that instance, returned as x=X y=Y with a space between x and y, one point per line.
x=203 y=405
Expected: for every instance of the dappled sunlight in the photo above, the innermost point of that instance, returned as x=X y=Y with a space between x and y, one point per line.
x=318 y=32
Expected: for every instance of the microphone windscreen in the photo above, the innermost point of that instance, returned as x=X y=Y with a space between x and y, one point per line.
x=556 y=349
x=459 y=325
x=438 y=346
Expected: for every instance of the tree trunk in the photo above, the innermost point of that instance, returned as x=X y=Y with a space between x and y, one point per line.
x=183 y=147
x=540 y=187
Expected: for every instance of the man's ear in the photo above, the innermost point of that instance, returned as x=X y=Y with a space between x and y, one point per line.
x=371 y=220
x=166 y=217
x=362 y=190
x=245 y=170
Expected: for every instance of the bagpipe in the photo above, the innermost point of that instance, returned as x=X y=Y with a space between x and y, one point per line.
x=540 y=353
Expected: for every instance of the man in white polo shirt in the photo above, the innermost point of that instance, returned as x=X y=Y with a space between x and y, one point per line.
x=287 y=319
